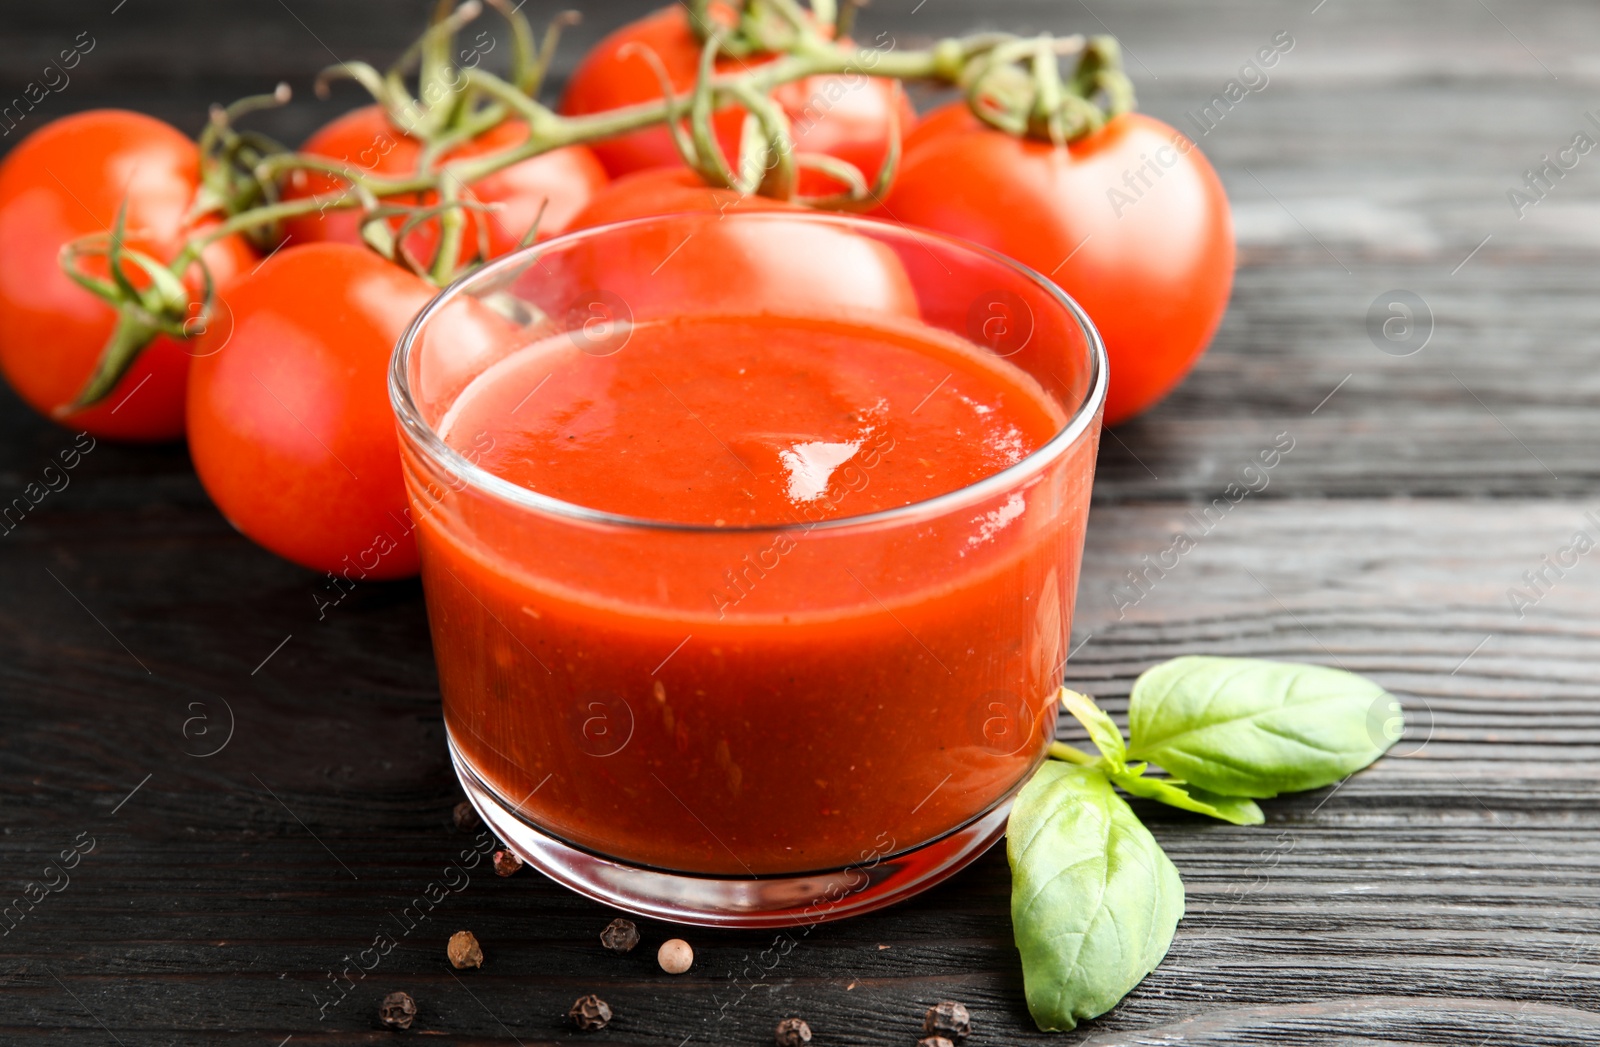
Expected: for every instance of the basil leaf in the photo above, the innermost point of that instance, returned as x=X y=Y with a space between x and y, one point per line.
x=1176 y=793
x=1245 y=727
x=1102 y=729
x=1094 y=901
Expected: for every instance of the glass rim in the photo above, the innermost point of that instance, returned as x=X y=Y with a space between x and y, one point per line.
x=459 y=466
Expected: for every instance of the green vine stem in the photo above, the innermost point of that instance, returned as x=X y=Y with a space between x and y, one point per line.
x=548 y=130
x=452 y=221
x=229 y=156
x=1012 y=83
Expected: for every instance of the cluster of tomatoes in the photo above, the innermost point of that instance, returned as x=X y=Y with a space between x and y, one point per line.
x=283 y=396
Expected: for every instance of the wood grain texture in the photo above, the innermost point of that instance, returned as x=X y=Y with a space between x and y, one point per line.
x=1451 y=894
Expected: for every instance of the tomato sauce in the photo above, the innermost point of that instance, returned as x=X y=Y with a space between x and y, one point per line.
x=737 y=690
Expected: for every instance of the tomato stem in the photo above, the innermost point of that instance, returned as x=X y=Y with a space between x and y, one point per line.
x=451 y=223
x=532 y=80
x=975 y=62
x=1011 y=83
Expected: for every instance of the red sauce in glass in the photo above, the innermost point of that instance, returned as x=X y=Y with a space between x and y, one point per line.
x=738 y=698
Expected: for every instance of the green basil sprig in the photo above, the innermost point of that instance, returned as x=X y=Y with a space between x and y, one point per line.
x=1094 y=900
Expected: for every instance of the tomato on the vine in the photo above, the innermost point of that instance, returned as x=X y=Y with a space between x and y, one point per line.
x=953 y=116
x=1130 y=220
x=848 y=116
x=734 y=267
x=665 y=190
x=289 y=421
x=65 y=182
x=562 y=181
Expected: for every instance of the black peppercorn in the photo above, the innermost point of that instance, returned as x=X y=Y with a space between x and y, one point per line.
x=590 y=1013
x=949 y=1020
x=464 y=817
x=620 y=936
x=398 y=1010
x=792 y=1032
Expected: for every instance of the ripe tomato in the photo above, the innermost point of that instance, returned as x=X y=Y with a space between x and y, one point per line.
x=67 y=181
x=1131 y=221
x=731 y=267
x=289 y=421
x=367 y=141
x=848 y=116
x=665 y=190
x=954 y=116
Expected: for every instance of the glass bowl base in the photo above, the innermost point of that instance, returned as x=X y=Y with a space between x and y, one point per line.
x=706 y=900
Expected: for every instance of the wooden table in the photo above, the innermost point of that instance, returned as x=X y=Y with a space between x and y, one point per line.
x=1448 y=895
